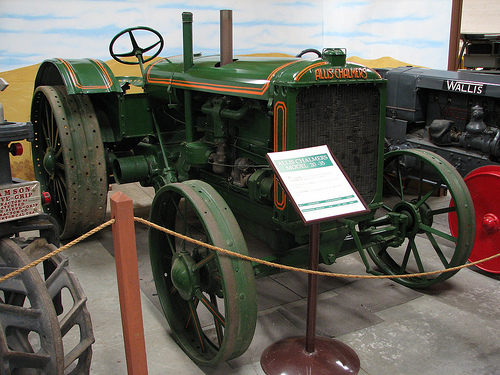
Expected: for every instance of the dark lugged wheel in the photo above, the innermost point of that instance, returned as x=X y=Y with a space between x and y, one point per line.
x=413 y=177
x=45 y=327
x=209 y=299
x=71 y=307
x=29 y=336
x=68 y=157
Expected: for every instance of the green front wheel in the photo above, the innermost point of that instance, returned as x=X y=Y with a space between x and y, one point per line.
x=208 y=298
x=419 y=186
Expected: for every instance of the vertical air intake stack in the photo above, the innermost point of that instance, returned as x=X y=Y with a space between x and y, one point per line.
x=187 y=29
x=187 y=35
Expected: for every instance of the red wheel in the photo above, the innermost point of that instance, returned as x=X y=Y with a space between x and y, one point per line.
x=484 y=187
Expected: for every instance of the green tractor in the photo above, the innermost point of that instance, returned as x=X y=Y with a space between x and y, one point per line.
x=198 y=130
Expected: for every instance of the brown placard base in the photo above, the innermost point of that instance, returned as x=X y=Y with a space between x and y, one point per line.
x=289 y=356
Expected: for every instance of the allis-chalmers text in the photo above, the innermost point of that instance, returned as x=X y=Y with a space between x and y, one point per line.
x=341 y=73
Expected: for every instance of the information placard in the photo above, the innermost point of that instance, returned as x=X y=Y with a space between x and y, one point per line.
x=316 y=184
x=20 y=200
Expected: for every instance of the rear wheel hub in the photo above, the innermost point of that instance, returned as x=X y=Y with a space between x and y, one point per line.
x=49 y=162
x=183 y=277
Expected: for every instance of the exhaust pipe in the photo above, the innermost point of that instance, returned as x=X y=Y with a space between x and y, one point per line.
x=226 y=37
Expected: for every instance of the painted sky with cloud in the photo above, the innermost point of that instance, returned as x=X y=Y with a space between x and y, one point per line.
x=414 y=31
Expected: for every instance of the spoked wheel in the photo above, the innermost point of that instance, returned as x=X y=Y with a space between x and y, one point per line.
x=209 y=298
x=414 y=178
x=484 y=187
x=68 y=158
x=33 y=338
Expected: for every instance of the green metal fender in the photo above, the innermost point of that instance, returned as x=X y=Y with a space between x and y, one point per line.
x=82 y=76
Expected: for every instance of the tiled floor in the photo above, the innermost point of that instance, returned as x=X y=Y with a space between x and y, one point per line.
x=451 y=328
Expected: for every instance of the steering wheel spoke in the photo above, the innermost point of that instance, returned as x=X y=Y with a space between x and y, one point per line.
x=128 y=54
x=150 y=47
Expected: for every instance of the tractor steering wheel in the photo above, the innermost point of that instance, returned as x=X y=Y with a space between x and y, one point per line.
x=136 y=50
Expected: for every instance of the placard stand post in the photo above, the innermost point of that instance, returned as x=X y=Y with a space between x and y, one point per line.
x=320 y=190
x=310 y=354
x=312 y=288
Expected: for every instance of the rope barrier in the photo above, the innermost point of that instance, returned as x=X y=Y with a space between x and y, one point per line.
x=297 y=269
x=238 y=255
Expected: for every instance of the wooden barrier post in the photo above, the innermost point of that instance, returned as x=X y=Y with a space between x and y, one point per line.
x=128 y=283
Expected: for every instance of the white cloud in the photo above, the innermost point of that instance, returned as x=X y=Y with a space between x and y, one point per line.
x=415 y=31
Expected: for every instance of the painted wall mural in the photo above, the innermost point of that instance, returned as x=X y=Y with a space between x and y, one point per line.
x=414 y=31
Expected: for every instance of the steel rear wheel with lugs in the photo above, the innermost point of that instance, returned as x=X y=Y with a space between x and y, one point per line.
x=45 y=327
x=208 y=298
x=68 y=158
x=413 y=181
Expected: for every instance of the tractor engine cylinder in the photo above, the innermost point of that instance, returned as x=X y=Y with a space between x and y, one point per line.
x=219 y=159
x=198 y=153
x=131 y=169
x=261 y=186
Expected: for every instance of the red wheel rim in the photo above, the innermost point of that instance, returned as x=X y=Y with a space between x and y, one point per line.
x=484 y=187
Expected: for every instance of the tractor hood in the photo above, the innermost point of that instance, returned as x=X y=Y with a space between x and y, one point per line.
x=255 y=76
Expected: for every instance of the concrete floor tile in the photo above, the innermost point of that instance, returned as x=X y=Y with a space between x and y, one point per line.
x=163 y=354
x=349 y=264
x=226 y=369
x=106 y=358
x=426 y=337
x=87 y=254
x=377 y=294
x=335 y=315
x=298 y=282
x=272 y=294
x=271 y=327
x=472 y=291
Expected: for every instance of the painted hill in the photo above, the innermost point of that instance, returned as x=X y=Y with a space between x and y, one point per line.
x=382 y=62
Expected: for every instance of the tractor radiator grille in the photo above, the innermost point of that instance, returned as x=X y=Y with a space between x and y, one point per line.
x=346 y=118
